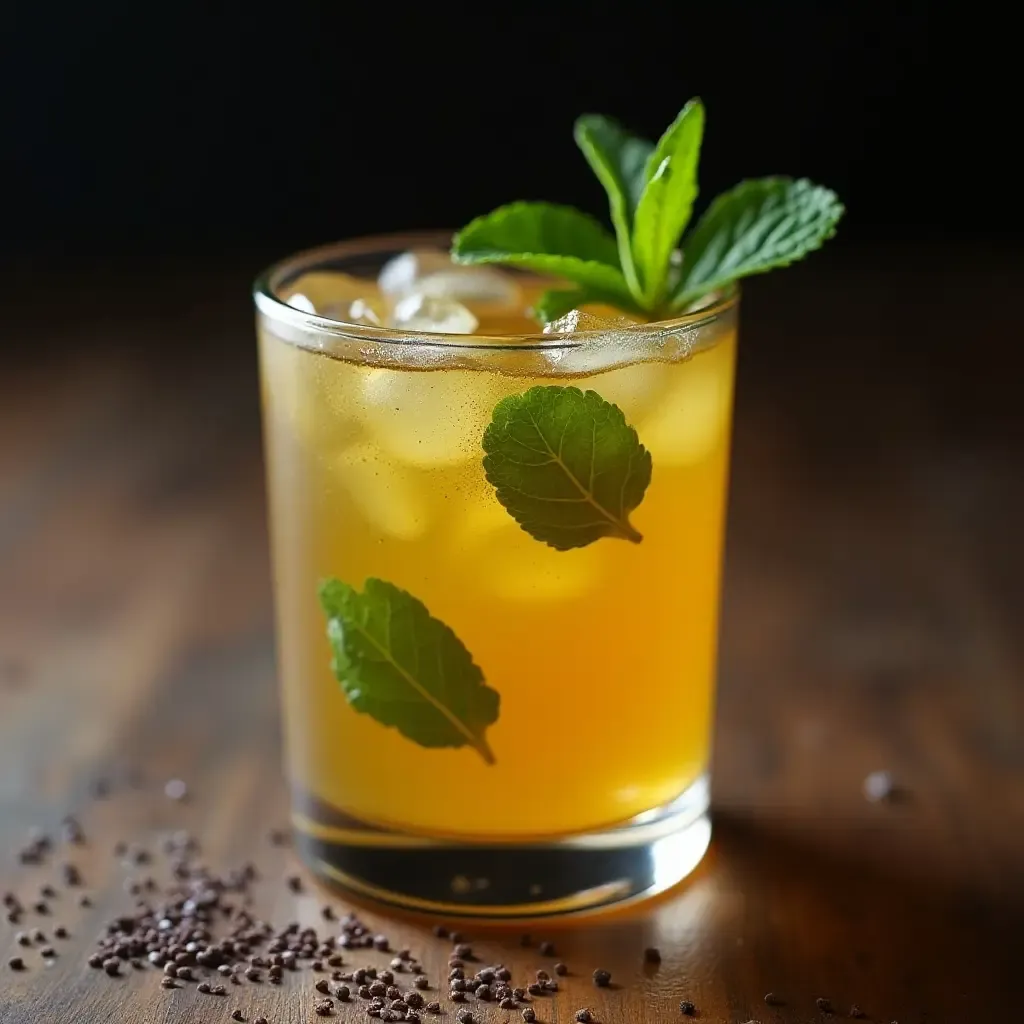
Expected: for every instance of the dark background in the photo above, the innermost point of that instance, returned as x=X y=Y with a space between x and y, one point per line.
x=198 y=133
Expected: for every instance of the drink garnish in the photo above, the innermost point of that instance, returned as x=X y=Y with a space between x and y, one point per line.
x=566 y=466
x=406 y=669
x=758 y=225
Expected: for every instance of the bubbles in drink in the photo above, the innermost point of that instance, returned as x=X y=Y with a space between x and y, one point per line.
x=688 y=421
x=429 y=419
x=418 y=312
x=387 y=496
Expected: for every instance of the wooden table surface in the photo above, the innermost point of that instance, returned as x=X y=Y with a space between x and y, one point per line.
x=872 y=621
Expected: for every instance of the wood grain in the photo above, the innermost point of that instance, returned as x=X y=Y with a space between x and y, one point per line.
x=875 y=582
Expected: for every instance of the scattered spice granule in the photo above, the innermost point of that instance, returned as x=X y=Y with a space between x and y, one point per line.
x=602 y=978
x=16 y=963
x=584 y=1016
x=546 y=949
x=652 y=955
x=237 y=1015
x=168 y=983
x=823 y=1004
x=465 y=1017
x=175 y=789
x=529 y=1015
x=857 y=1012
x=433 y=1006
x=771 y=999
x=687 y=1007
x=562 y=969
x=879 y=786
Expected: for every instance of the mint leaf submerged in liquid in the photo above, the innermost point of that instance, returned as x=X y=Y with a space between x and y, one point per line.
x=406 y=669
x=757 y=226
x=566 y=465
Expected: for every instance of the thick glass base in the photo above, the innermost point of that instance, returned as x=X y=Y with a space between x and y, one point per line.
x=639 y=859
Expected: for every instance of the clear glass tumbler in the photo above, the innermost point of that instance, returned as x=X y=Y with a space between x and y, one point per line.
x=501 y=702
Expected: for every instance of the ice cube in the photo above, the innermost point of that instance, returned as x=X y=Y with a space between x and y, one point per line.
x=313 y=394
x=429 y=272
x=301 y=303
x=690 y=419
x=331 y=292
x=433 y=418
x=383 y=492
x=611 y=363
x=363 y=312
x=634 y=388
x=518 y=569
x=581 y=320
x=418 y=312
x=399 y=275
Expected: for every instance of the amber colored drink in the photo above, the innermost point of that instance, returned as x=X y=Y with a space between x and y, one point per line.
x=604 y=656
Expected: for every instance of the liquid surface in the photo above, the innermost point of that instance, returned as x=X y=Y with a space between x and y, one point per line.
x=604 y=656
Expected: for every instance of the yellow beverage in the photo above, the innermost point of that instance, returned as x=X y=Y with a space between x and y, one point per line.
x=603 y=656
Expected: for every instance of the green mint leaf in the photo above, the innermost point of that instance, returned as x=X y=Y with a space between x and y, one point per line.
x=566 y=466
x=619 y=160
x=757 y=226
x=406 y=669
x=666 y=203
x=550 y=239
x=556 y=302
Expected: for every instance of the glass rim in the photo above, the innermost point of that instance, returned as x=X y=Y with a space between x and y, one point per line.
x=277 y=310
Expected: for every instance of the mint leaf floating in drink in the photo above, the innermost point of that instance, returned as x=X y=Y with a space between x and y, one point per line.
x=406 y=669
x=757 y=226
x=566 y=465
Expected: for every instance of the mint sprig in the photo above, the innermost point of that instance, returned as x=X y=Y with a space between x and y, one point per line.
x=406 y=669
x=550 y=239
x=755 y=227
x=566 y=466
